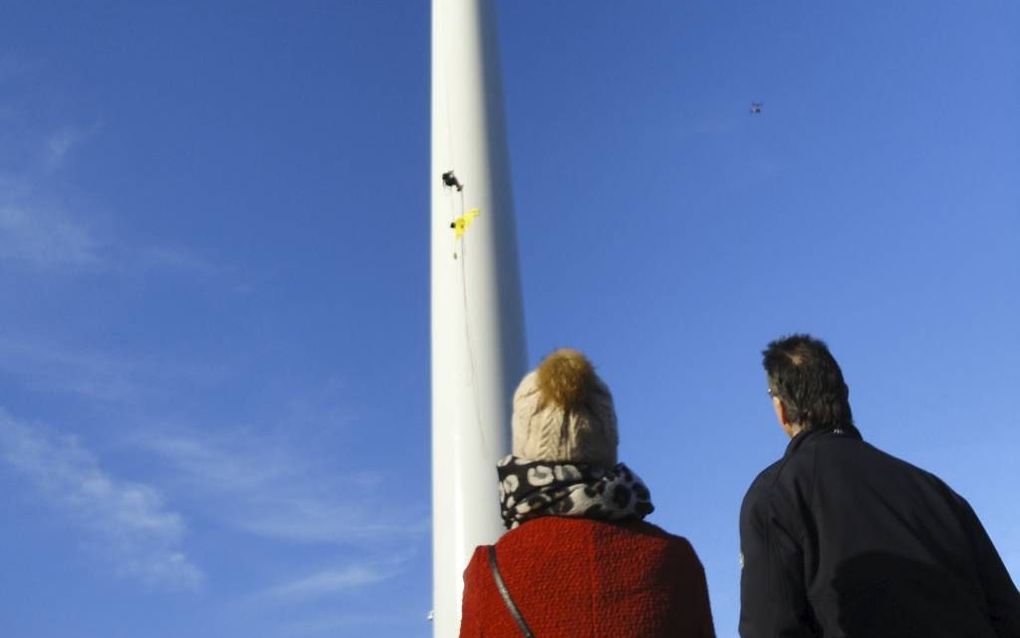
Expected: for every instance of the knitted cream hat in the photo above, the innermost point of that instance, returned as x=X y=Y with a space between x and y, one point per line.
x=564 y=412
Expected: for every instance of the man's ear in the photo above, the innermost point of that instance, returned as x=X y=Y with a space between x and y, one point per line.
x=779 y=409
x=782 y=416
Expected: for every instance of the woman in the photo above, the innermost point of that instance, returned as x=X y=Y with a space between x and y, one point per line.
x=578 y=560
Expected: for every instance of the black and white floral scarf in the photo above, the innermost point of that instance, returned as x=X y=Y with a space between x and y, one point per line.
x=530 y=489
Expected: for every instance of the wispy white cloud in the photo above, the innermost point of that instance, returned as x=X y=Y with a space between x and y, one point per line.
x=345 y=585
x=40 y=232
x=128 y=521
x=401 y=620
x=48 y=366
x=46 y=239
x=332 y=582
x=58 y=144
x=260 y=487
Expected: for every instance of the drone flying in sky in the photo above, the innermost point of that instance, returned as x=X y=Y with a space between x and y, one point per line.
x=756 y=108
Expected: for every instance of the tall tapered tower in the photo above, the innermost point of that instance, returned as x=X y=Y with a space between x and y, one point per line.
x=478 y=348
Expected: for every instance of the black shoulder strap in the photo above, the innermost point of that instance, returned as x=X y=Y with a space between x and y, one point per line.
x=505 y=593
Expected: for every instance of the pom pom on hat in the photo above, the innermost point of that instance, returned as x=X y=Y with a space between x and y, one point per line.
x=565 y=379
x=564 y=412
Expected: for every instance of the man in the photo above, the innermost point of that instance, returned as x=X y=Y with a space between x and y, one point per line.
x=841 y=539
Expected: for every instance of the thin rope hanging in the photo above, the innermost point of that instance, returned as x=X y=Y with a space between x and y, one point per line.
x=459 y=225
x=460 y=220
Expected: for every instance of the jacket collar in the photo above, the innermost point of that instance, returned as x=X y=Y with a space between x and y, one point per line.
x=814 y=435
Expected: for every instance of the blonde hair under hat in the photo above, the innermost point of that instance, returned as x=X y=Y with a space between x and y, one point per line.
x=564 y=412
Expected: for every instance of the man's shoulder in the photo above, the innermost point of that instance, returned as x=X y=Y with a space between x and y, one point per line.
x=778 y=481
x=761 y=485
x=767 y=476
x=871 y=459
x=856 y=468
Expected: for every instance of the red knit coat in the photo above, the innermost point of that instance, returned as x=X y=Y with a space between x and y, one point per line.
x=578 y=578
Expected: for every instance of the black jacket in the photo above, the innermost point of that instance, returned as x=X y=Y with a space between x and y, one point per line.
x=840 y=539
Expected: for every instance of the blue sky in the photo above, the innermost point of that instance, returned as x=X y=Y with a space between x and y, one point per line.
x=214 y=394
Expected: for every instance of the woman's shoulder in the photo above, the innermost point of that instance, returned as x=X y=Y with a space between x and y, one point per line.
x=556 y=531
x=673 y=542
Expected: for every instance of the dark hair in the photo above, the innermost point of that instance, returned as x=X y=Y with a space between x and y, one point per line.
x=806 y=378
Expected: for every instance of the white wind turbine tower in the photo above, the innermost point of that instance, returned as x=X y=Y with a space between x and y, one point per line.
x=478 y=349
